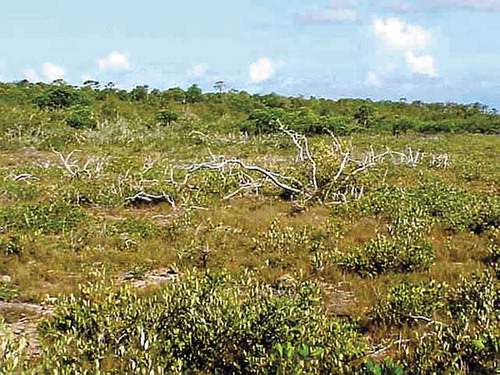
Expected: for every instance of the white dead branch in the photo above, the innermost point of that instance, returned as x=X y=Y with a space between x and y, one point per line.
x=304 y=154
x=24 y=177
x=92 y=167
x=348 y=166
x=223 y=164
x=145 y=198
x=70 y=166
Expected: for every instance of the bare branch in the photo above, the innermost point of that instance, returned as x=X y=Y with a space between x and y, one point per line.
x=223 y=163
x=143 y=197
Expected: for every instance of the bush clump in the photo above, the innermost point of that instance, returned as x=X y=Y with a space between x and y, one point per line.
x=407 y=300
x=384 y=254
x=46 y=217
x=80 y=117
x=207 y=323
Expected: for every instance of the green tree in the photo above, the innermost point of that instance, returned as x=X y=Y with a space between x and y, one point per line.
x=194 y=94
x=167 y=116
x=56 y=97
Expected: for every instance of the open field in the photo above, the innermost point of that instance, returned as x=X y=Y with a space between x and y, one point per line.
x=181 y=244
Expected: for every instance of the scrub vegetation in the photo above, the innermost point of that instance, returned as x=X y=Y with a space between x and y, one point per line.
x=172 y=232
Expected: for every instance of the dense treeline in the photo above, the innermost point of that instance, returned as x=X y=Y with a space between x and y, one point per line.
x=83 y=107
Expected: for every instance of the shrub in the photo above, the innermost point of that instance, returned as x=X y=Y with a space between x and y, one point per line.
x=57 y=97
x=383 y=255
x=456 y=349
x=385 y=367
x=453 y=209
x=166 y=116
x=12 y=351
x=80 y=117
x=54 y=217
x=7 y=292
x=471 y=343
x=207 y=323
x=409 y=299
x=476 y=300
x=11 y=245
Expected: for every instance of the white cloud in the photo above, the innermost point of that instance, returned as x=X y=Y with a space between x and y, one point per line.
x=53 y=71
x=198 y=70
x=115 y=61
x=31 y=75
x=372 y=79
x=410 y=39
x=400 y=35
x=423 y=64
x=261 y=70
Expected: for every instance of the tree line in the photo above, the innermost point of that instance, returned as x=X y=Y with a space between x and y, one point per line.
x=83 y=106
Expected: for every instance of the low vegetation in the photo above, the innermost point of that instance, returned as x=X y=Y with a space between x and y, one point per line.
x=169 y=232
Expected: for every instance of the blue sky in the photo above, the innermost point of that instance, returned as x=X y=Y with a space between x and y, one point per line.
x=430 y=50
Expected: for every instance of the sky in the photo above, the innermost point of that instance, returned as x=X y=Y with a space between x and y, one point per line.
x=429 y=50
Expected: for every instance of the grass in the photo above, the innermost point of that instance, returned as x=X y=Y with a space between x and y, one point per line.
x=262 y=234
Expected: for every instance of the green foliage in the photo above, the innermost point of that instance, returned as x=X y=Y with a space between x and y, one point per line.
x=135 y=228
x=385 y=367
x=12 y=352
x=457 y=349
x=7 y=293
x=365 y=116
x=453 y=208
x=53 y=217
x=194 y=94
x=383 y=255
x=262 y=121
x=139 y=93
x=80 y=117
x=290 y=360
x=471 y=344
x=57 y=97
x=11 y=245
x=208 y=323
x=166 y=116
x=476 y=300
x=258 y=113
x=494 y=260
x=407 y=300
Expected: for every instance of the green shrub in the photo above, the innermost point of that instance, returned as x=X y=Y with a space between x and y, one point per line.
x=456 y=349
x=167 y=116
x=384 y=255
x=207 y=323
x=453 y=209
x=46 y=217
x=7 y=292
x=12 y=351
x=135 y=228
x=409 y=299
x=57 y=97
x=80 y=117
x=476 y=300
x=11 y=245
x=385 y=367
